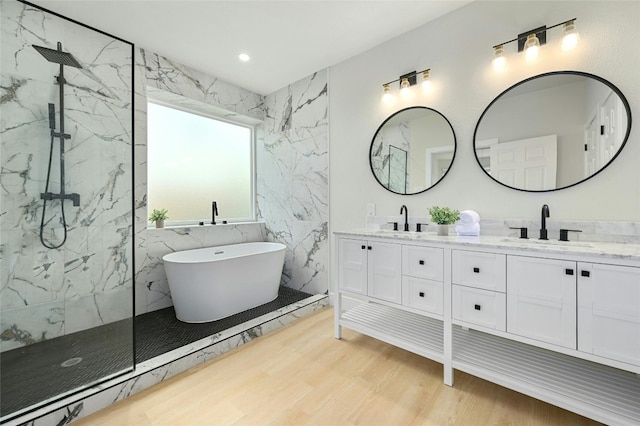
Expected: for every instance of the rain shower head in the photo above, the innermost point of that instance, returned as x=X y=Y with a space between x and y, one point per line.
x=58 y=56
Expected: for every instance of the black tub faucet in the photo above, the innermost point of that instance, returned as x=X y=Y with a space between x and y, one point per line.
x=406 y=217
x=214 y=212
x=543 y=222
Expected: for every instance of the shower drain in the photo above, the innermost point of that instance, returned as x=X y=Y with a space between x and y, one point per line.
x=71 y=362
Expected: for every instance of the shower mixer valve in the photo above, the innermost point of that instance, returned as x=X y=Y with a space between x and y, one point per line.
x=51 y=196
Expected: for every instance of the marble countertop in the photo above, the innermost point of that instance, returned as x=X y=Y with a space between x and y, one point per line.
x=630 y=252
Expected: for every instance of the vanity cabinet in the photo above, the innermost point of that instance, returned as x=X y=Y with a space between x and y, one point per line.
x=371 y=268
x=397 y=291
x=541 y=299
x=556 y=323
x=609 y=311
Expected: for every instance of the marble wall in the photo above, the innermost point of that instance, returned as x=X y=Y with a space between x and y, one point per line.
x=192 y=89
x=293 y=188
x=46 y=292
x=291 y=173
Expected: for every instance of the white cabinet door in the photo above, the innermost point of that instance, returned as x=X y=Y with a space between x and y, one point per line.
x=385 y=271
x=609 y=311
x=541 y=299
x=352 y=265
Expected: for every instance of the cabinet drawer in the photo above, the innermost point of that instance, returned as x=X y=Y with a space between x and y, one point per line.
x=426 y=295
x=481 y=270
x=423 y=262
x=481 y=307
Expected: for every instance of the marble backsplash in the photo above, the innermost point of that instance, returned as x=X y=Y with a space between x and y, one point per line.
x=594 y=231
x=46 y=292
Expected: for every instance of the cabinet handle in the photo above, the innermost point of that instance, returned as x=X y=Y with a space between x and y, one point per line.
x=421 y=262
x=421 y=294
x=368 y=247
x=568 y=271
x=476 y=270
x=477 y=307
x=364 y=247
x=585 y=273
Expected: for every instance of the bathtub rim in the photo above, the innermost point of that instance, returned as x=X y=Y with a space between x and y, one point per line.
x=276 y=246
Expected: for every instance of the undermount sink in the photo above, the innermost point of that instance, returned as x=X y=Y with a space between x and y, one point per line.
x=556 y=243
x=396 y=232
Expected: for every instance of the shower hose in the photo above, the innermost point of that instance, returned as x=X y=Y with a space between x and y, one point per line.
x=44 y=206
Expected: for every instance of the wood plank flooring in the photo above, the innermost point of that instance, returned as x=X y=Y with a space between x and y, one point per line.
x=301 y=375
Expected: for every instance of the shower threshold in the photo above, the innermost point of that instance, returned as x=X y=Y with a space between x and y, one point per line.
x=42 y=373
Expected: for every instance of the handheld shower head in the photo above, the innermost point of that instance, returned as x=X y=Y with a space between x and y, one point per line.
x=58 y=56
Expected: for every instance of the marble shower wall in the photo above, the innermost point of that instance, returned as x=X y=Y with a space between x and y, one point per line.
x=45 y=292
x=293 y=175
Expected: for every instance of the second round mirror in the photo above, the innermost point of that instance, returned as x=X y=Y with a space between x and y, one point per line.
x=552 y=131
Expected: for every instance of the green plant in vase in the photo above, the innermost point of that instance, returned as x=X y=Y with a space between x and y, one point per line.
x=159 y=216
x=444 y=217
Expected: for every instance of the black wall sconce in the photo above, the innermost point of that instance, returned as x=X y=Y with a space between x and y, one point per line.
x=407 y=80
x=530 y=42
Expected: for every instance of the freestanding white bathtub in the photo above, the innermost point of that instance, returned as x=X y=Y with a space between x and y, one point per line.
x=212 y=283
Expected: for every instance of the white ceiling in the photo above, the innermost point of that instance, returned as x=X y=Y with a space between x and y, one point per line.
x=287 y=40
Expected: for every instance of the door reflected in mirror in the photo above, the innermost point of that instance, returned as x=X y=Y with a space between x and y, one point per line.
x=552 y=131
x=412 y=150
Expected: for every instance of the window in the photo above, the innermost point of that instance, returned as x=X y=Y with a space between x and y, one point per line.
x=194 y=159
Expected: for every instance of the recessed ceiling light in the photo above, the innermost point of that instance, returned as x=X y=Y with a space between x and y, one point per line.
x=244 y=57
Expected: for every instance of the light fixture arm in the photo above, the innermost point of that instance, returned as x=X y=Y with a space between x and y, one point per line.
x=411 y=76
x=522 y=37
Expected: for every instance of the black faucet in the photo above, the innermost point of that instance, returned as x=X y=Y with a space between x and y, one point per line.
x=214 y=212
x=406 y=217
x=543 y=222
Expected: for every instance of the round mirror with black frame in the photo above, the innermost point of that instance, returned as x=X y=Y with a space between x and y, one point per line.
x=552 y=131
x=412 y=150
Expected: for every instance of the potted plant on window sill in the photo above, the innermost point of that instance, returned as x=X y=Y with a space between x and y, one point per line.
x=444 y=217
x=159 y=216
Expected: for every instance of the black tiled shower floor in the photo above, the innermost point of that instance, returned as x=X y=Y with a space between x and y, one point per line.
x=32 y=374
